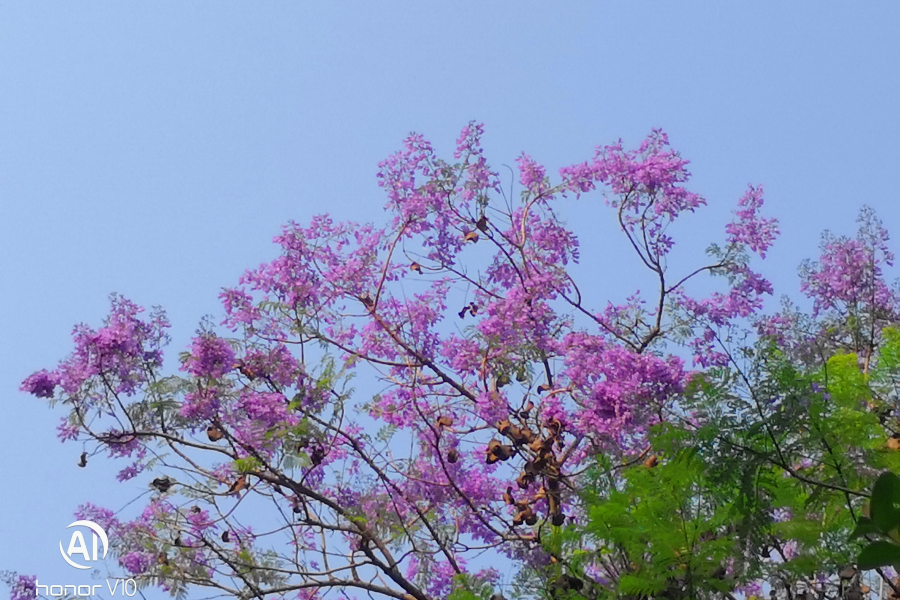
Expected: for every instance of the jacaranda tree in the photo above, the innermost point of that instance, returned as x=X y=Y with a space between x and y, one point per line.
x=508 y=430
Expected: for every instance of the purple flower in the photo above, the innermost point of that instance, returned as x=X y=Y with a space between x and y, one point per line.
x=136 y=563
x=211 y=357
x=24 y=587
x=41 y=383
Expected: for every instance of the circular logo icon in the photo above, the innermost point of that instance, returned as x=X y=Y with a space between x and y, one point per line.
x=77 y=545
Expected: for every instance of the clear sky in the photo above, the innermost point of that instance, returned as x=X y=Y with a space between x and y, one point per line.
x=154 y=149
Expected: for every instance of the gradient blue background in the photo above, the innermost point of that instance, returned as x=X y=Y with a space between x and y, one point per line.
x=154 y=149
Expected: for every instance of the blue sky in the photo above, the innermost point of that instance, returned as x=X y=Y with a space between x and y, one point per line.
x=155 y=149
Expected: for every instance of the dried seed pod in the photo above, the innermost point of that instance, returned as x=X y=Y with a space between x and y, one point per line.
x=239 y=484
x=508 y=497
x=651 y=461
x=445 y=422
x=416 y=267
x=524 y=515
x=568 y=582
x=482 y=223
x=558 y=519
x=524 y=480
x=539 y=444
x=82 y=462
x=161 y=484
x=498 y=451
x=247 y=372
x=452 y=455
x=214 y=433
x=847 y=572
x=527 y=435
x=553 y=502
x=470 y=236
x=554 y=425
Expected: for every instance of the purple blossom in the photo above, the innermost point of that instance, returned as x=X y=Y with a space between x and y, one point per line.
x=67 y=431
x=749 y=228
x=103 y=517
x=211 y=357
x=23 y=587
x=41 y=384
x=136 y=563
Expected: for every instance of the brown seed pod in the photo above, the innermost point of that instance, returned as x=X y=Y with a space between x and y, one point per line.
x=524 y=480
x=471 y=236
x=161 y=484
x=214 y=433
x=539 y=444
x=482 y=223
x=553 y=502
x=651 y=461
x=452 y=455
x=247 y=372
x=508 y=497
x=82 y=462
x=527 y=435
x=416 y=267
x=558 y=519
x=554 y=425
x=524 y=515
x=498 y=451
x=239 y=484
x=445 y=422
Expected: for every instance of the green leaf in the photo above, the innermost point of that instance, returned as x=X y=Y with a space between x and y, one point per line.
x=864 y=526
x=884 y=495
x=247 y=465
x=878 y=554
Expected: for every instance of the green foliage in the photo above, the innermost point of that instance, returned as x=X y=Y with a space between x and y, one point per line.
x=249 y=464
x=883 y=521
x=760 y=473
